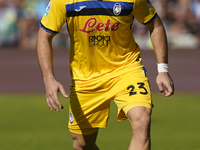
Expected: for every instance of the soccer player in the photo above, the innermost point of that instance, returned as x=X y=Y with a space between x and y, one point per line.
x=105 y=65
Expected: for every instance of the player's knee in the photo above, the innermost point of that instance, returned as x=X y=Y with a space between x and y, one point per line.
x=81 y=144
x=78 y=145
x=84 y=142
x=142 y=125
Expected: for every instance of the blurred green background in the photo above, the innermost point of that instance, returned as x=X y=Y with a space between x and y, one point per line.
x=27 y=124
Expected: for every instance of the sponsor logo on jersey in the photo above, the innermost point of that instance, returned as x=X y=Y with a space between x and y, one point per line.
x=80 y=8
x=91 y=25
x=71 y=120
x=47 y=9
x=99 y=40
x=117 y=9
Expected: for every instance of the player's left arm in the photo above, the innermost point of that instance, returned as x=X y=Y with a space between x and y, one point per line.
x=159 y=41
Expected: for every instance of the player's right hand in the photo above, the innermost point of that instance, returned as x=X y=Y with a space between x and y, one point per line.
x=52 y=88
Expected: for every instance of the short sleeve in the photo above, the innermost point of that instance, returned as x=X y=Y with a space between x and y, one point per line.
x=144 y=11
x=54 y=16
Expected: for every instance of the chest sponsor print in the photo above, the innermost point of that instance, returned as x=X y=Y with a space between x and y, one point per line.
x=91 y=25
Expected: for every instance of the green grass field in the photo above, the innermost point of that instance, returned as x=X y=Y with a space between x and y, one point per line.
x=26 y=123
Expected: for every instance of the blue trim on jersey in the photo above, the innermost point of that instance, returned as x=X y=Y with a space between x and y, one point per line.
x=48 y=30
x=144 y=71
x=155 y=16
x=98 y=4
x=89 y=8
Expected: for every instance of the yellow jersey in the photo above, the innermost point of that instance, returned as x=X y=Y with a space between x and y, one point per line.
x=101 y=39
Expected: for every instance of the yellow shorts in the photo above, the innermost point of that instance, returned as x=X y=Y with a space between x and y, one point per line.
x=90 y=100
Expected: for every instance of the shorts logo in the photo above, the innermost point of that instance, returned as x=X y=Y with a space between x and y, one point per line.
x=99 y=40
x=91 y=25
x=71 y=120
x=117 y=9
x=47 y=9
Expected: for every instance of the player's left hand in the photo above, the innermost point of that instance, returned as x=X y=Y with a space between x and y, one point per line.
x=165 y=84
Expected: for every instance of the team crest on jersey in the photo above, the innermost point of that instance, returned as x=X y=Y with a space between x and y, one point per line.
x=71 y=120
x=117 y=9
x=47 y=9
x=148 y=2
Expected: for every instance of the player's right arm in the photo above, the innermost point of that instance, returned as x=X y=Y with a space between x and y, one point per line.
x=45 y=59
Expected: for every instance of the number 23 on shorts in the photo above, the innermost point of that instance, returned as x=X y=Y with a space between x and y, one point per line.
x=139 y=85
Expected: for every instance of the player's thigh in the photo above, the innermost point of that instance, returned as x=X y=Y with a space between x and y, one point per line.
x=88 y=111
